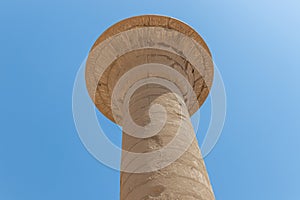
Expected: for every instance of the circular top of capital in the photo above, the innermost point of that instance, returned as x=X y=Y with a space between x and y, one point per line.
x=138 y=43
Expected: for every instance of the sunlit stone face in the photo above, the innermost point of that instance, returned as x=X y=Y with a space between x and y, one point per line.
x=156 y=40
x=149 y=74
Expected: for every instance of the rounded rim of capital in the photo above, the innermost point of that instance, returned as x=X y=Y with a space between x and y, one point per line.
x=136 y=23
x=151 y=21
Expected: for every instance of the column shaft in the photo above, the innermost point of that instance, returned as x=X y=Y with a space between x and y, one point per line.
x=184 y=179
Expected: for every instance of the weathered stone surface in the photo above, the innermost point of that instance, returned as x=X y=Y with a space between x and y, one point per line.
x=187 y=176
x=131 y=73
x=147 y=45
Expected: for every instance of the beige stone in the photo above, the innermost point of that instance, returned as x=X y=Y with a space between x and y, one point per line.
x=149 y=74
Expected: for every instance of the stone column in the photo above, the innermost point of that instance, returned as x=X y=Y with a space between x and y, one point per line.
x=149 y=74
x=184 y=179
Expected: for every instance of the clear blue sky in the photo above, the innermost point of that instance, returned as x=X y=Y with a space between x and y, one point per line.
x=254 y=43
